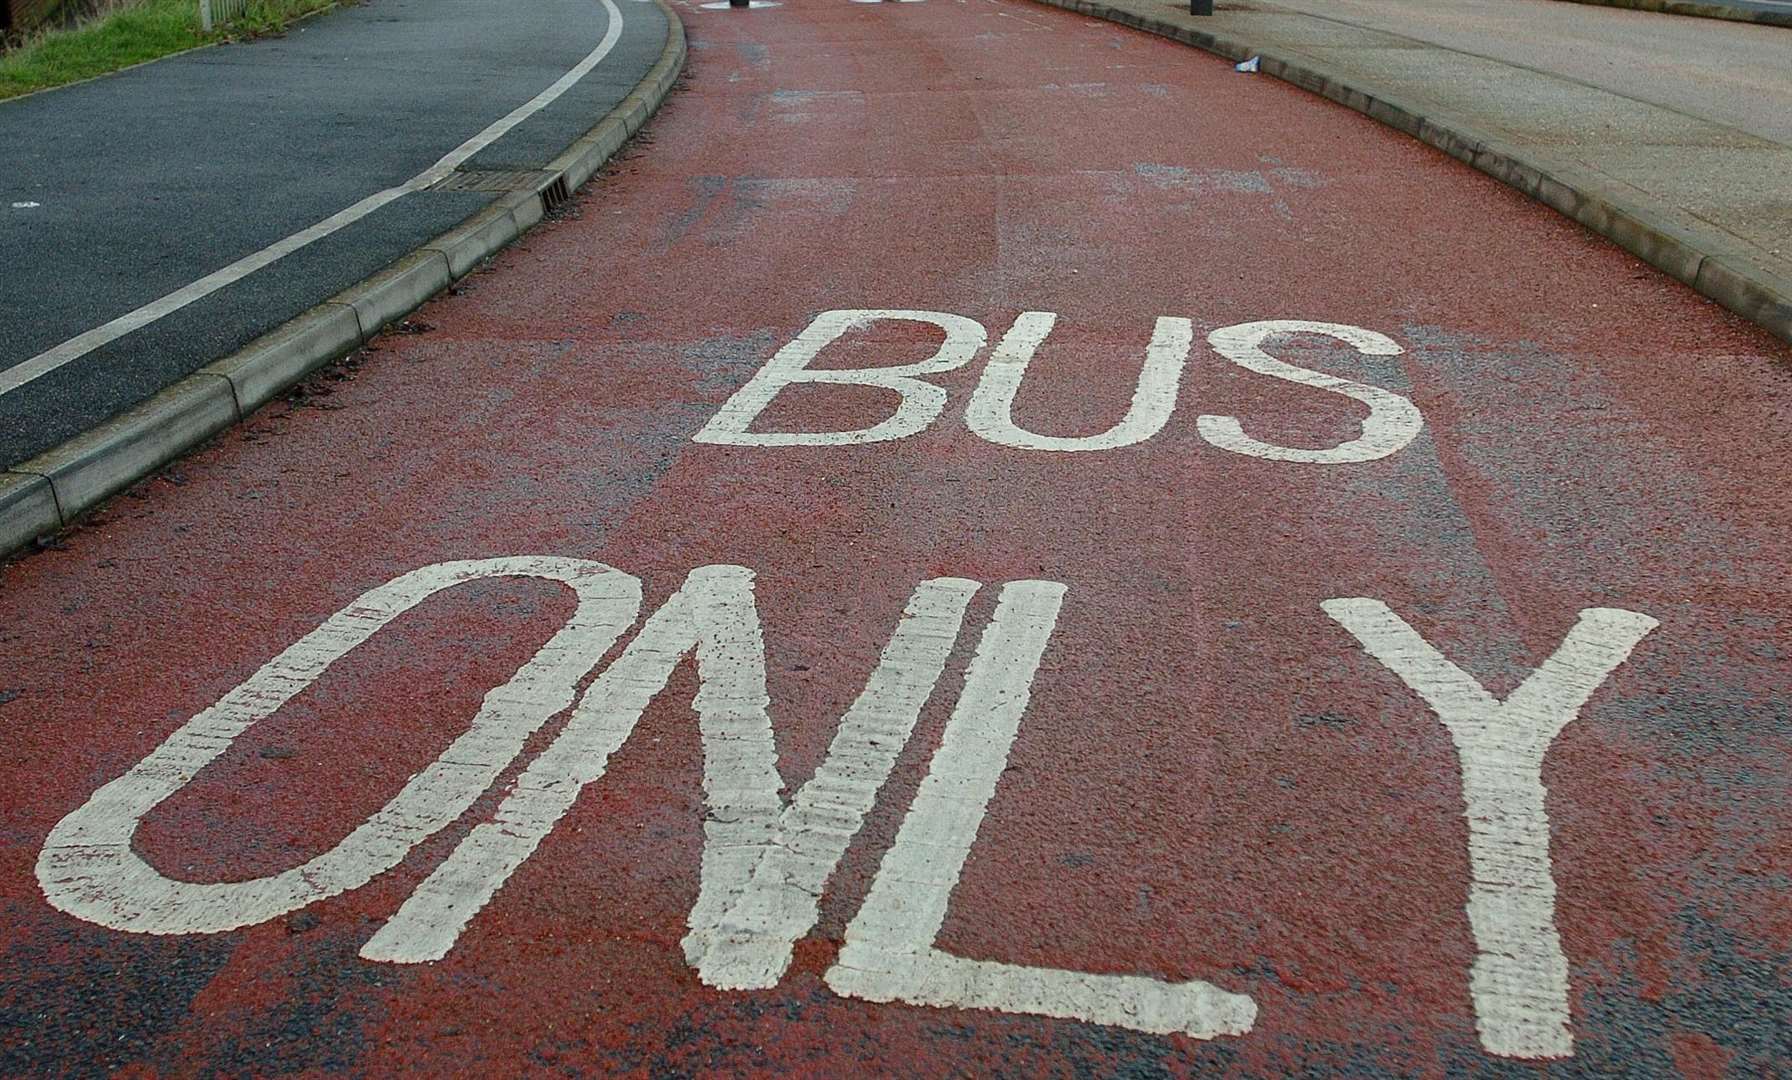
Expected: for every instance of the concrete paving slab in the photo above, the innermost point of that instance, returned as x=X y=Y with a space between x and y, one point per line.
x=1736 y=75
x=1527 y=107
x=1292 y=29
x=1641 y=165
x=1746 y=191
x=1765 y=12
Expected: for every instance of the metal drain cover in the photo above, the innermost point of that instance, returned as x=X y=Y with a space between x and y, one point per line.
x=492 y=180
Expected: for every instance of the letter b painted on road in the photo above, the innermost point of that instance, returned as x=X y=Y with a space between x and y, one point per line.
x=920 y=402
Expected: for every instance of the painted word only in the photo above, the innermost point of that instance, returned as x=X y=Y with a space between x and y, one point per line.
x=766 y=861
x=1392 y=423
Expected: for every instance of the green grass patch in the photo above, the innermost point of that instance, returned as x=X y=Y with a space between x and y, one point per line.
x=131 y=34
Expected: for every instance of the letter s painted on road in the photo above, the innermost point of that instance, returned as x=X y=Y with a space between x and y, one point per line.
x=1392 y=422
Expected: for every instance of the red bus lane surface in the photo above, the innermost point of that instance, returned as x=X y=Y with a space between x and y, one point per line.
x=990 y=544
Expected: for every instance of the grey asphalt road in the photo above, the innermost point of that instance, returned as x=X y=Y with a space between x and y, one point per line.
x=1734 y=73
x=149 y=179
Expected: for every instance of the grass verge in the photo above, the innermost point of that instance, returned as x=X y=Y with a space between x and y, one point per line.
x=132 y=34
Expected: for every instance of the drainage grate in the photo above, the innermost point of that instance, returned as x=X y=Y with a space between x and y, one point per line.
x=554 y=194
x=497 y=180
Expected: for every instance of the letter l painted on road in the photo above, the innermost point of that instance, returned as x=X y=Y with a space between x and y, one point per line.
x=890 y=953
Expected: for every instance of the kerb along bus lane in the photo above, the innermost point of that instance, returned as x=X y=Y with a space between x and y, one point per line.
x=993 y=544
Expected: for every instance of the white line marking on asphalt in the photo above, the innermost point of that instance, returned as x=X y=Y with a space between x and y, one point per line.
x=87 y=867
x=1392 y=422
x=889 y=953
x=764 y=865
x=82 y=344
x=1519 y=981
x=990 y=413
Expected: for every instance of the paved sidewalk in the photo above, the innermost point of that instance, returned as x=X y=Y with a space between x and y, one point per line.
x=1672 y=136
x=1771 y=12
x=1733 y=74
x=118 y=192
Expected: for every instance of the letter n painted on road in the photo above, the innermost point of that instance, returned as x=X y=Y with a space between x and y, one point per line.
x=764 y=864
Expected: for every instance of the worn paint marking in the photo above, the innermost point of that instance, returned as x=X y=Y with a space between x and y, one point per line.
x=890 y=955
x=921 y=401
x=1519 y=982
x=764 y=865
x=88 y=869
x=990 y=413
x=1392 y=423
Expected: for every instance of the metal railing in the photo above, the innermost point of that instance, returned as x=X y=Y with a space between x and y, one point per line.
x=216 y=11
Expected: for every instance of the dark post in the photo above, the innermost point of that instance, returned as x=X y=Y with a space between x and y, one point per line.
x=1200 y=7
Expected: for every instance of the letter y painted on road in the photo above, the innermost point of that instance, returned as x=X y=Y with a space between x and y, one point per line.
x=1519 y=982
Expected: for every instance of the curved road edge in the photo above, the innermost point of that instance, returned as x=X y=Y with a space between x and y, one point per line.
x=47 y=493
x=1704 y=259
x=1730 y=12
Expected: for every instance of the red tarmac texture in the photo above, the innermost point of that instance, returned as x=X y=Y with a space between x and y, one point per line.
x=1213 y=780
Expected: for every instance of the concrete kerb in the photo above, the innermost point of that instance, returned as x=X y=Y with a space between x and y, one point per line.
x=1706 y=262
x=1747 y=289
x=47 y=493
x=472 y=241
x=259 y=372
x=27 y=506
x=400 y=288
x=86 y=469
x=1700 y=11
